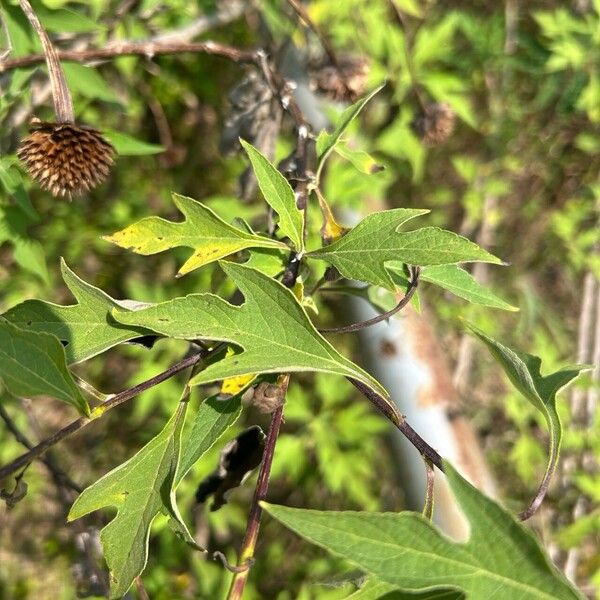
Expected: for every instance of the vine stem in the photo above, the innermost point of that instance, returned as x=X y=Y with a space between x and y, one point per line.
x=100 y=410
x=63 y=103
x=260 y=493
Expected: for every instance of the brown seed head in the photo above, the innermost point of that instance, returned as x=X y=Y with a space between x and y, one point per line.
x=344 y=84
x=436 y=124
x=64 y=158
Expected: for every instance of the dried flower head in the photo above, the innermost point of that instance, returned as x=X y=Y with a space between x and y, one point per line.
x=343 y=84
x=64 y=158
x=436 y=124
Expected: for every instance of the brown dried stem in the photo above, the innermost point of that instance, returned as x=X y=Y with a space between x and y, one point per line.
x=63 y=103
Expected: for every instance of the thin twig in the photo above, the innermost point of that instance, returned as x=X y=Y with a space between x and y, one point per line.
x=59 y=476
x=260 y=493
x=400 y=422
x=414 y=282
x=129 y=48
x=63 y=103
x=109 y=404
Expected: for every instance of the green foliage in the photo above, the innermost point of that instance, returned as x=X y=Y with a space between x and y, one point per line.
x=393 y=548
x=362 y=253
x=523 y=370
x=279 y=194
x=204 y=231
x=140 y=489
x=271 y=326
x=34 y=364
x=87 y=327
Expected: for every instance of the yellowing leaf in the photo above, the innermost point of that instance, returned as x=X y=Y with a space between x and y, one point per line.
x=204 y=231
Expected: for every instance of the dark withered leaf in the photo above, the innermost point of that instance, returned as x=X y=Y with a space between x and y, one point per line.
x=64 y=158
x=238 y=459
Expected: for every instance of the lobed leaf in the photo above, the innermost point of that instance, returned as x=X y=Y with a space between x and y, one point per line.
x=203 y=230
x=34 y=364
x=87 y=327
x=362 y=253
x=501 y=559
x=271 y=326
x=279 y=195
x=140 y=489
x=523 y=370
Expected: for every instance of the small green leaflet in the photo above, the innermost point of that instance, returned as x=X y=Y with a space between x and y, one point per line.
x=279 y=194
x=126 y=145
x=86 y=327
x=203 y=230
x=34 y=364
x=362 y=253
x=501 y=559
x=460 y=282
x=326 y=142
x=523 y=370
x=273 y=329
x=139 y=488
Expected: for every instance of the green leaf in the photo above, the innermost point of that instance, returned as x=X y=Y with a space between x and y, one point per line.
x=363 y=161
x=501 y=559
x=271 y=326
x=203 y=230
x=523 y=370
x=213 y=418
x=279 y=194
x=362 y=252
x=87 y=327
x=31 y=255
x=125 y=145
x=373 y=589
x=88 y=82
x=464 y=285
x=64 y=20
x=33 y=364
x=140 y=489
x=326 y=142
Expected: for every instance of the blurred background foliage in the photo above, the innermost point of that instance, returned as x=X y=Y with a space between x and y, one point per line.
x=519 y=174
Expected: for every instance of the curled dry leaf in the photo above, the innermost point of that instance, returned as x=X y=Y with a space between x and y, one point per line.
x=436 y=124
x=64 y=158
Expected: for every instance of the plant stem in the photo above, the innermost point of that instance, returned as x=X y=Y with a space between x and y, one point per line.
x=63 y=103
x=260 y=493
x=109 y=404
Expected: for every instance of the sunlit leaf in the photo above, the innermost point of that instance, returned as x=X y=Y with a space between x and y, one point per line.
x=271 y=326
x=362 y=253
x=87 y=327
x=279 y=194
x=203 y=230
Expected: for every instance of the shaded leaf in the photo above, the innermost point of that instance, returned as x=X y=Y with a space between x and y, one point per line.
x=523 y=370
x=462 y=284
x=271 y=326
x=362 y=253
x=34 y=364
x=125 y=145
x=140 y=489
x=87 y=327
x=501 y=559
x=203 y=230
x=279 y=194
x=88 y=82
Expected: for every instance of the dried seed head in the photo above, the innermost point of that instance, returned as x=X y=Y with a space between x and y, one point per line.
x=344 y=84
x=436 y=124
x=267 y=397
x=64 y=158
